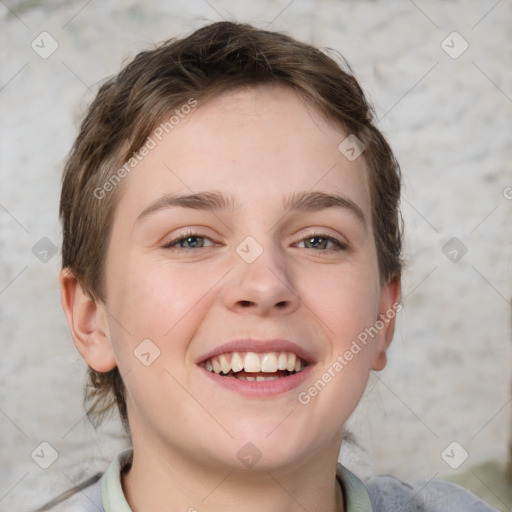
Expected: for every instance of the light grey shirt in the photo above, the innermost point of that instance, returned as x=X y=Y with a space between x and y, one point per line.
x=378 y=494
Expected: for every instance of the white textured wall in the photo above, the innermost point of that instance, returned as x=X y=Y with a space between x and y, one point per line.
x=449 y=121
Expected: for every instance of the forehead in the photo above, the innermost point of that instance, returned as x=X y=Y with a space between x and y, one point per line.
x=255 y=144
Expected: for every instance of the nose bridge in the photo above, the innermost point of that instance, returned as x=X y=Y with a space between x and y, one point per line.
x=262 y=280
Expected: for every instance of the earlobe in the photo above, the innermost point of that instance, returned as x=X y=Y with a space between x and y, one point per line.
x=388 y=308
x=88 y=323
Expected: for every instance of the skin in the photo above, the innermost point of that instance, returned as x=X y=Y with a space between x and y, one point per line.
x=259 y=145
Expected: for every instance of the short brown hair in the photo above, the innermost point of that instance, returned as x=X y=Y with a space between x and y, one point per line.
x=128 y=107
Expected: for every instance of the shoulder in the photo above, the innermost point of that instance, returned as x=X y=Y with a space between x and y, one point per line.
x=97 y=495
x=84 y=500
x=389 y=494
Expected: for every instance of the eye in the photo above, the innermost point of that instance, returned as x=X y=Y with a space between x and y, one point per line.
x=190 y=240
x=323 y=243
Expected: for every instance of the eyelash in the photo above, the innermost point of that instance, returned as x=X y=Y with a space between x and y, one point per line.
x=340 y=246
x=181 y=237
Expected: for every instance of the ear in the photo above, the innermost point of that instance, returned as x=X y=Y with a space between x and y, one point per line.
x=87 y=322
x=388 y=308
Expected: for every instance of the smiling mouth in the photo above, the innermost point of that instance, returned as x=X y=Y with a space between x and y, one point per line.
x=253 y=366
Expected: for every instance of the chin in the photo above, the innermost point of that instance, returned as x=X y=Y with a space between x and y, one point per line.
x=267 y=449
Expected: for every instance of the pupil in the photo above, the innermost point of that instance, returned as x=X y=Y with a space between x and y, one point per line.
x=314 y=241
x=193 y=241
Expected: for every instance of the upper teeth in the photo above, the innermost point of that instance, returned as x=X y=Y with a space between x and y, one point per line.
x=252 y=362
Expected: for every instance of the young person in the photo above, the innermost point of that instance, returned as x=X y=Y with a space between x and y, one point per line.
x=231 y=275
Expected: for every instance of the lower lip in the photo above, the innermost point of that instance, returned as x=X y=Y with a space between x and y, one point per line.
x=260 y=389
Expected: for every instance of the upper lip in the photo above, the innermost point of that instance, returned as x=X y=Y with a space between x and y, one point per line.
x=260 y=347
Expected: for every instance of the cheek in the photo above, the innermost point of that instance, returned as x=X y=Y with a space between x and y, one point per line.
x=345 y=299
x=156 y=301
x=150 y=296
x=345 y=310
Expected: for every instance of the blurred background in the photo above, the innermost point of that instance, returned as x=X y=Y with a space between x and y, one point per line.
x=440 y=76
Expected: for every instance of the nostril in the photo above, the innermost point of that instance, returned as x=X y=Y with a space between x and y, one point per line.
x=246 y=303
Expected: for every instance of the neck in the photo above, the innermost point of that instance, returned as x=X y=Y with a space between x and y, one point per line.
x=172 y=482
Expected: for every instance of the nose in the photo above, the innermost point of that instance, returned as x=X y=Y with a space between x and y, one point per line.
x=263 y=287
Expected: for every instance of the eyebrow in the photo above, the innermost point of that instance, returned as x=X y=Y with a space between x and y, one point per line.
x=316 y=201
x=200 y=201
x=209 y=201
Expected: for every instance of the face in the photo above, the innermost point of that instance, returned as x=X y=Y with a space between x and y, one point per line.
x=241 y=268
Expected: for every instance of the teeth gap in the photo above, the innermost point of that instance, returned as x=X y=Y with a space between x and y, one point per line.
x=233 y=374
x=267 y=375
